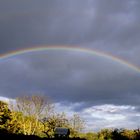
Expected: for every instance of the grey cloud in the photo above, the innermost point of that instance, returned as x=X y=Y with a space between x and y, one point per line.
x=107 y=25
x=46 y=22
x=71 y=77
x=100 y=116
x=115 y=23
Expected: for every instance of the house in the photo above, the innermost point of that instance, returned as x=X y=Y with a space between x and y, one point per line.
x=60 y=132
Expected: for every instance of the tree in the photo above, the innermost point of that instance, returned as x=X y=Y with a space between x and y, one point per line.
x=36 y=105
x=33 y=108
x=5 y=114
x=129 y=134
x=76 y=125
x=91 y=136
x=56 y=120
x=105 y=134
x=15 y=123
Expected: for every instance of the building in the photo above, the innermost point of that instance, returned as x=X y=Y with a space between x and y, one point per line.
x=60 y=132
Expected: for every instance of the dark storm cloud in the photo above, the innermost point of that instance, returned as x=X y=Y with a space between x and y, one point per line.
x=108 y=25
x=71 y=77
x=35 y=23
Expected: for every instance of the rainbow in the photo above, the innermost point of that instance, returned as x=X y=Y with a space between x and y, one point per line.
x=75 y=49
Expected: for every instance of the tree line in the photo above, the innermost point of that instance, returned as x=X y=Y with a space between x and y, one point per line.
x=36 y=116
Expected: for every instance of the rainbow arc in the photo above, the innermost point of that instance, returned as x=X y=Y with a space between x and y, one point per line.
x=72 y=49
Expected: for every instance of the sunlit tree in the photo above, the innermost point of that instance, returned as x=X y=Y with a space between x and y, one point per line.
x=77 y=124
x=33 y=108
x=5 y=114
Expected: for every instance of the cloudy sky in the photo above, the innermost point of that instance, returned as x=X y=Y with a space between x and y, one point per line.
x=104 y=92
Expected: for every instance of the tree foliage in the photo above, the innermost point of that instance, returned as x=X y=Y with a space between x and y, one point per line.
x=35 y=115
x=77 y=124
x=5 y=114
x=30 y=110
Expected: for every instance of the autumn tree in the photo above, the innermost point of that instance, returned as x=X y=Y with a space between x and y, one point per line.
x=77 y=124
x=5 y=114
x=53 y=121
x=36 y=105
x=15 y=123
x=7 y=120
x=33 y=109
x=89 y=136
x=105 y=134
